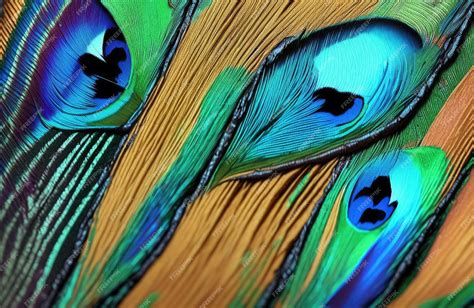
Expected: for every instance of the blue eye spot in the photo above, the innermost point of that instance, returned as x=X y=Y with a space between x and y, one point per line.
x=111 y=69
x=370 y=205
x=84 y=68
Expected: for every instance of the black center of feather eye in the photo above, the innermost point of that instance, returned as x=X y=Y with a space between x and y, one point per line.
x=106 y=71
x=334 y=102
x=113 y=34
x=372 y=216
x=378 y=190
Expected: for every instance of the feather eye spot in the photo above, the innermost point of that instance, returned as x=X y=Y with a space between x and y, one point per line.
x=371 y=206
x=106 y=68
x=84 y=71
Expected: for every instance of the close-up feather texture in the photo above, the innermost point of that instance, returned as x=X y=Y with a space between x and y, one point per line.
x=236 y=153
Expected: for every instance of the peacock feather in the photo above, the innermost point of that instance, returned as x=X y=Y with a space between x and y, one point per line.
x=374 y=212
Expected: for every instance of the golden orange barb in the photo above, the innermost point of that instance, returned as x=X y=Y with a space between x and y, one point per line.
x=236 y=234
x=453 y=129
x=11 y=11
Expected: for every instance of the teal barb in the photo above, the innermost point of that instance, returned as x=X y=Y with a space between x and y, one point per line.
x=74 y=78
x=460 y=298
x=377 y=208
